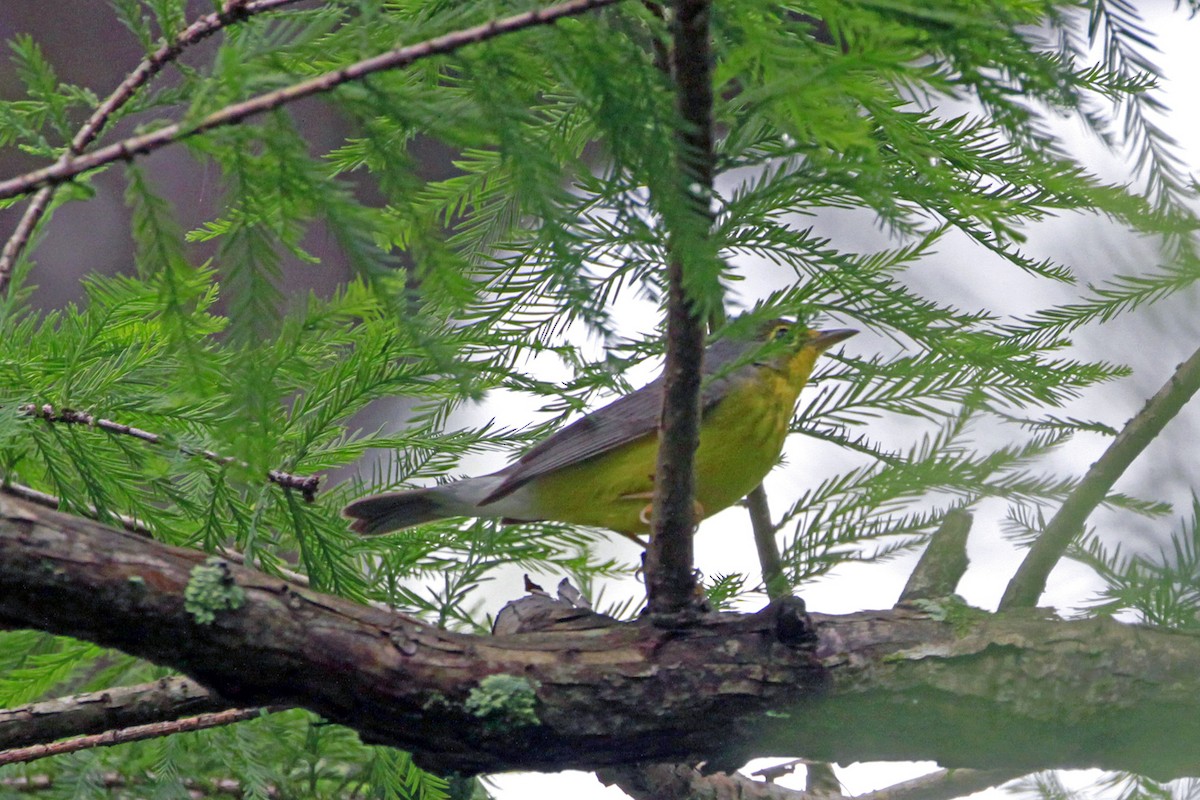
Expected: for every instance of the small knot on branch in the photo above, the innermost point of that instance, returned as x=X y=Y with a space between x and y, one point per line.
x=305 y=484
x=791 y=622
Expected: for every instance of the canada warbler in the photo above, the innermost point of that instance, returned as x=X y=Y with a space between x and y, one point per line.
x=599 y=471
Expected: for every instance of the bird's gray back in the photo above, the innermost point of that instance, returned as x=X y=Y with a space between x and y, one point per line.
x=625 y=419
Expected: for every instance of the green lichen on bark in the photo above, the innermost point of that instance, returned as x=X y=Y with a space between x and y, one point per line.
x=953 y=609
x=504 y=702
x=211 y=589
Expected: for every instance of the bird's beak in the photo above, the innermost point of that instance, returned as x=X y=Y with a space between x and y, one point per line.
x=823 y=340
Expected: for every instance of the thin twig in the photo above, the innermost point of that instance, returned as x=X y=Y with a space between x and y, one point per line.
x=305 y=484
x=127 y=149
x=151 y=65
x=291 y=576
x=1029 y=582
x=670 y=578
x=134 y=734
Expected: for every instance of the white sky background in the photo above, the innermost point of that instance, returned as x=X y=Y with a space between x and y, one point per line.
x=1152 y=343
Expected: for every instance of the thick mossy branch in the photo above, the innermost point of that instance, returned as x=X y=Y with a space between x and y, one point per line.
x=1010 y=691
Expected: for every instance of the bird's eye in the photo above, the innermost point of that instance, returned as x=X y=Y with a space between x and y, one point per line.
x=780 y=332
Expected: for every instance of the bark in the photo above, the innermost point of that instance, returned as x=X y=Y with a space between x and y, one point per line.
x=943 y=563
x=96 y=712
x=1014 y=691
x=670 y=574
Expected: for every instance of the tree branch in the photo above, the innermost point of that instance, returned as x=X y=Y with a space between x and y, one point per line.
x=134 y=526
x=770 y=561
x=168 y=700
x=684 y=782
x=134 y=734
x=127 y=149
x=888 y=685
x=944 y=561
x=50 y=501
x=232 y=12
x=196 y=789
x=1029 y=582
x=670 y=578
x=671 y=781
x=122 y=707
x=305 y=484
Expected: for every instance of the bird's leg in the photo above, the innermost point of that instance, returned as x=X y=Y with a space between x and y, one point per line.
x=633 y=537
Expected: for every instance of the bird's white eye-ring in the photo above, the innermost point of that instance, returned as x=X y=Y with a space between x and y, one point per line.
x=780 y=332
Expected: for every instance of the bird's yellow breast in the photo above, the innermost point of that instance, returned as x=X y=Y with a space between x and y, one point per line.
x=741 y=437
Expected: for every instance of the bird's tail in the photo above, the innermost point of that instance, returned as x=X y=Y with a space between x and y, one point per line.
x=392 y=511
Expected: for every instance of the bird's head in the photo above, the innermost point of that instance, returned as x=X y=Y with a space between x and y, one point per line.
x=792 y=347
x=783 y=347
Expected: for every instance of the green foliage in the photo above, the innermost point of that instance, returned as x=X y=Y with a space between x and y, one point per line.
x=33 y=663
x=391 y=775
x=722 y=590
x=934 y=121
x=288 y=754
x=1161 y=590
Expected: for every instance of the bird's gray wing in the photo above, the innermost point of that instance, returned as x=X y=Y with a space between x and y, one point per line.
x=621 y=421
x=607 y=428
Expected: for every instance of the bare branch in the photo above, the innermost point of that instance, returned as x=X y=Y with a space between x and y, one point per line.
x=196 y=789
x=683 y=782
x=134 y=734
x=172 y=698
x=133 y=526
x=130 y=148
x=1029 y=582
x=122 y=707
x=305 y=484
x=232 y=12
x=945 y=784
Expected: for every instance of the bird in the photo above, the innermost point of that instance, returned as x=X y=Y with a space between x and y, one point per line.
x=599 y=470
